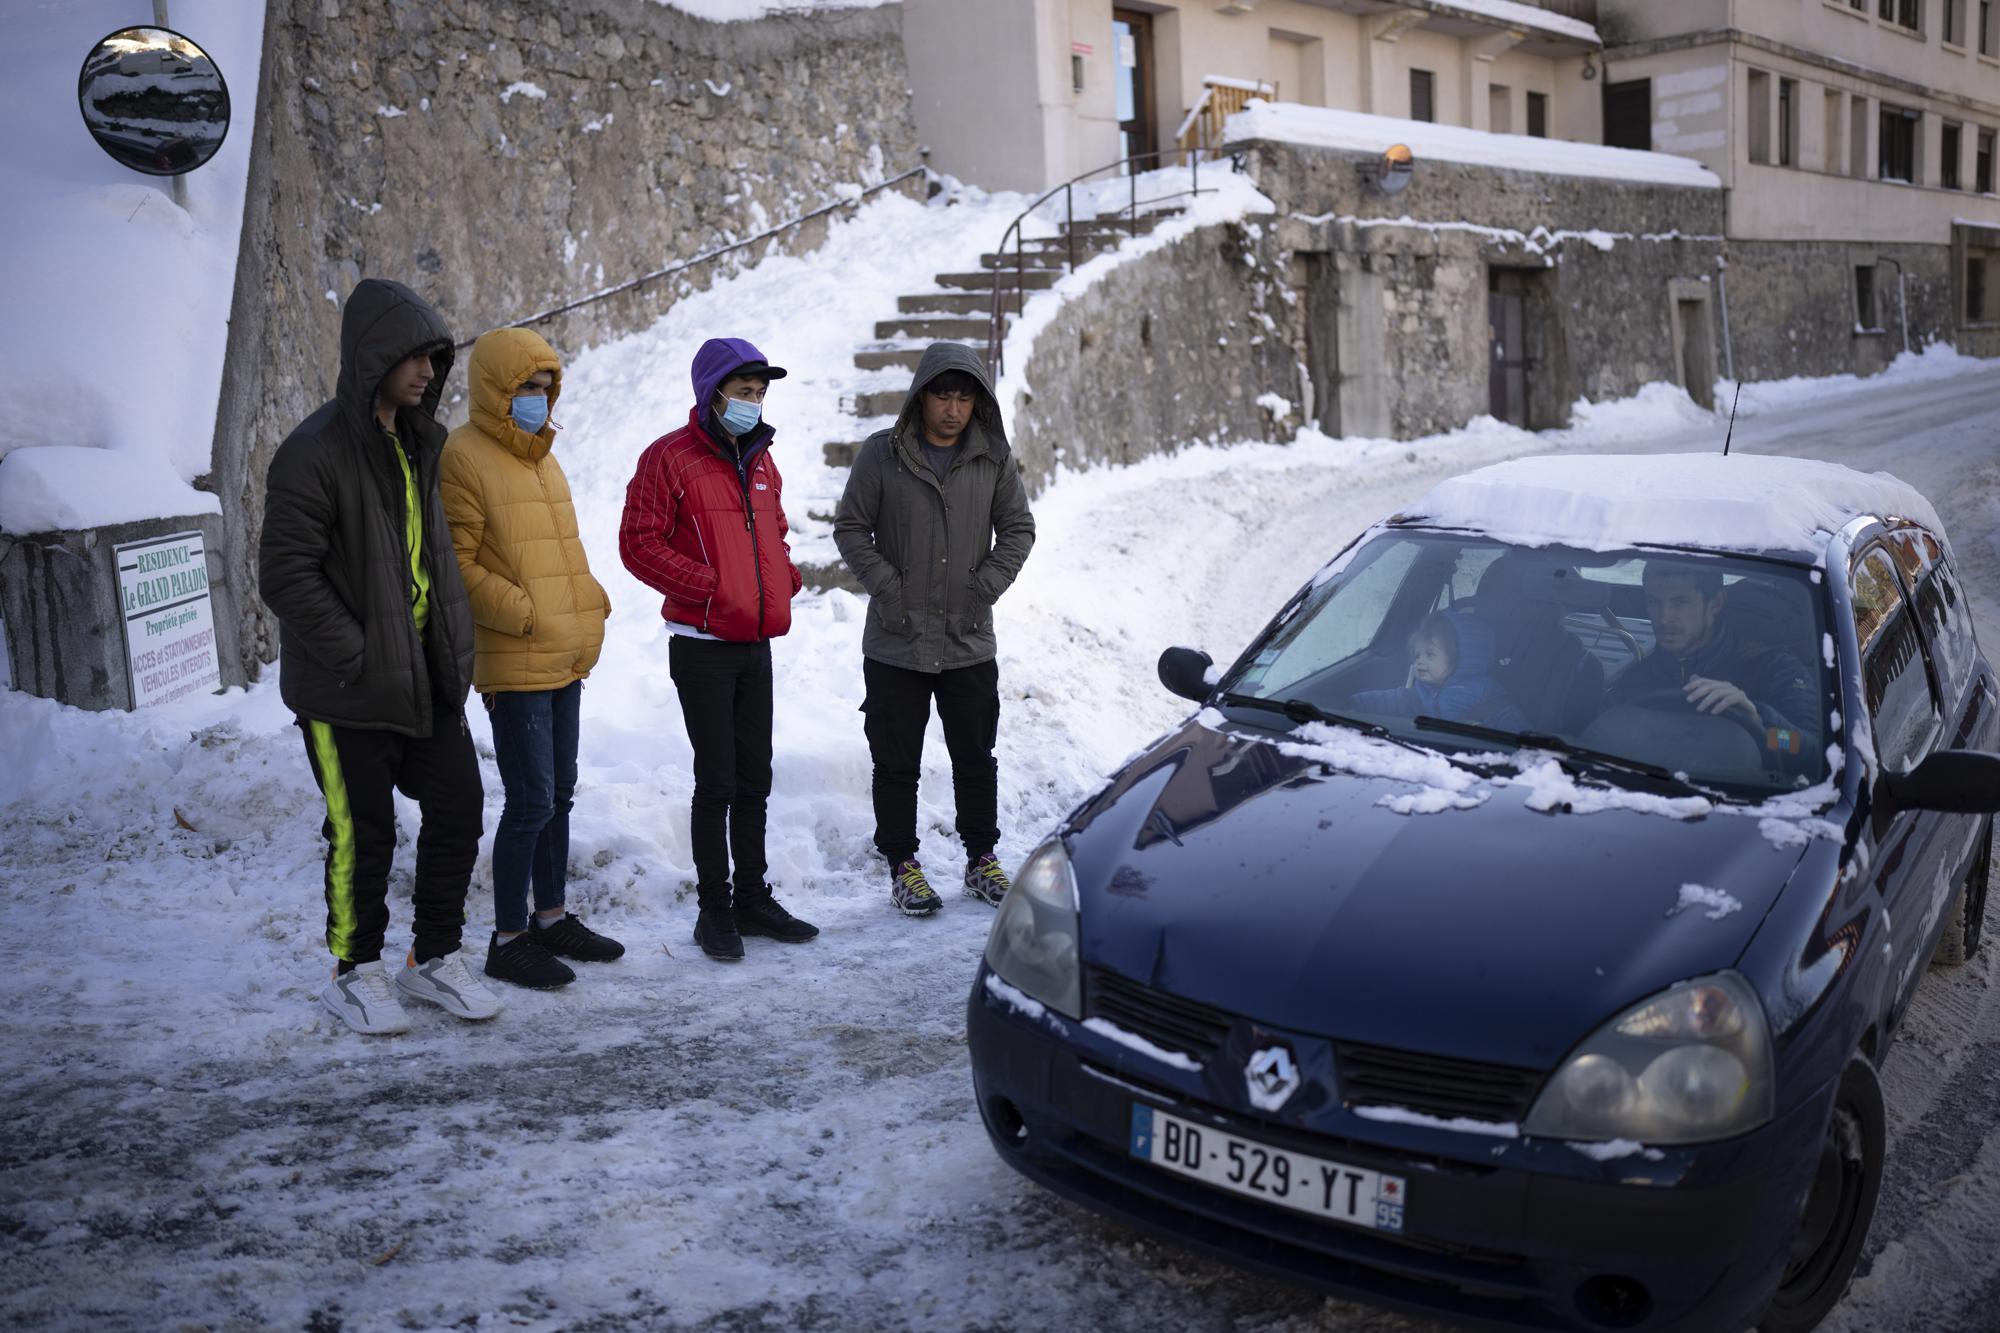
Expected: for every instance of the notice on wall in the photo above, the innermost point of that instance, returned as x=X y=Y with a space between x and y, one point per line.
x=169 y=620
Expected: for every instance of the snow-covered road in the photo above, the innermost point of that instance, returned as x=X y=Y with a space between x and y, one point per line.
x=790 y=1142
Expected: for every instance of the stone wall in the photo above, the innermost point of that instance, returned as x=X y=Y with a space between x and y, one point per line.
x=1174 y=345
x=1389 y=305
x=502 y=163
x=1792 y=306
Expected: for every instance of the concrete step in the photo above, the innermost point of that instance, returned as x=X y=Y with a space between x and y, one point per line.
x=1034 y=279
x=934 y=327
x=841 y=454
x=1116 y=225
x=887 y=358
x=879 y=402
x=820 y=577
x=946 y=303
x=1030 y=259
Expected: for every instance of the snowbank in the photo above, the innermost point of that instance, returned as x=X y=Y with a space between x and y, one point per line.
x=1744 y=502
x=118 y=300
x=1518 y=15
x=738 y=11
x=1324 y=127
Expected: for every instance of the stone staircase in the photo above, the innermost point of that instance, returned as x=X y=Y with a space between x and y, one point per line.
x=959 y=310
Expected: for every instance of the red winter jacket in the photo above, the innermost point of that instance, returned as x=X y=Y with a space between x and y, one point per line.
x=711 y=540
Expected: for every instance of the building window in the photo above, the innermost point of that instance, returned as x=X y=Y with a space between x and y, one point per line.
x=1986 y=34
x=1982 y=163
x=1864 y=299
x=1500 y=108
x=1833 y=103
x=1857 y=136
x=1897 y=160
x=1760 y=116
x=1788 y=122
x=1953 y=16
x=1538 y=115
x=1980 y=265
x=1903 y=13
x=1948 y=157
x=1423 y=95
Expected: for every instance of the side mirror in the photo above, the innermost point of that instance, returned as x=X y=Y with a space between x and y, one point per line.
x=1188 y=672
x=1957 y=782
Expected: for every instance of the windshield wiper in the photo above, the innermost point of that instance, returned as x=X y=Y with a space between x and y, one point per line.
x=1299 y=710
x=1542 y=740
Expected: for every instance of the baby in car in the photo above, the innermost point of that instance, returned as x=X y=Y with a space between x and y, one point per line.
x=1452 y=656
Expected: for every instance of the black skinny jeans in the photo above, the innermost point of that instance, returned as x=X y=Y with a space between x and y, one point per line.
x=725 y=691
x=899 y=708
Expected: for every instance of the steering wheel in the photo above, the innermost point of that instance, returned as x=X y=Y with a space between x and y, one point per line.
x=1672 y=699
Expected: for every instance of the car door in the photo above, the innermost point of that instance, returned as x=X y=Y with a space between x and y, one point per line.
x=1911 y=850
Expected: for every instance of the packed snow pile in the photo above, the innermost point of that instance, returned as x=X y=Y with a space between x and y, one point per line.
x=739 y=11
x=1743 y=502
x=120 y=297
x=1354 y=131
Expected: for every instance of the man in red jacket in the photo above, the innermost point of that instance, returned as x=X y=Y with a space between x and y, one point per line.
x=705 y=528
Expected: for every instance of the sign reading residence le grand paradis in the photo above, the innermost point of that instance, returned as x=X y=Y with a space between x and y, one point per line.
x=169 y=622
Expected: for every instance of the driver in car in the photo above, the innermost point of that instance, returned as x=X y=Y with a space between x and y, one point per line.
x=1766 y=690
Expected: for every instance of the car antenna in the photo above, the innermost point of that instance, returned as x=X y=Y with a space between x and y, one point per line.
x=1732 y=418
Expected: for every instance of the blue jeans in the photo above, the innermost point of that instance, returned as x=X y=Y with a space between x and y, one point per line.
x=534 y=740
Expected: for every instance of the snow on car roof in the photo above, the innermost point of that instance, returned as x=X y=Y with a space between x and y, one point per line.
x=1605 y=502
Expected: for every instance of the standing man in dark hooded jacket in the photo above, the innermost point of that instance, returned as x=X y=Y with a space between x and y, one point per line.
x=704 y=526
x=376 y=654
x=935 y=524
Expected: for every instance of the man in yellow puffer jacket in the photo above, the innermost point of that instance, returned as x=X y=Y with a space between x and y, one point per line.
x=538 y=617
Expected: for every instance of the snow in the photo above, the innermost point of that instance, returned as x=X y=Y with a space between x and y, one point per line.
x=1442 y=785
x=99 y=264
x=738 y=11
x=1715 y=904
x=1519 y=15
x=1612 y=1150
x=522 y=88
x=1402 y=1115
x=1018 y=1000
x=1744 y=502
x=1133 y=1041
x=1277 y=405
x=1355 y=131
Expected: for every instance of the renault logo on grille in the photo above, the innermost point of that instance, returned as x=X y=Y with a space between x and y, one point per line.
x=1272 y=1078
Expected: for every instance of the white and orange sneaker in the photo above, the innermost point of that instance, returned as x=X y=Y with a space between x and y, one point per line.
x=365 y=1001
x=447 y=983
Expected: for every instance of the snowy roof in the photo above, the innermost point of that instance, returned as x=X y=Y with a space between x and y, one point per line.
x=1517 y=15
x=1324 y=127
x=1604 y=502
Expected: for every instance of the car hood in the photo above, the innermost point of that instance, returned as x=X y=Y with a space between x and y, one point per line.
x=1226 y=868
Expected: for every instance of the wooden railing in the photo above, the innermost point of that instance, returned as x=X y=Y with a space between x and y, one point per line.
x=1220 y=99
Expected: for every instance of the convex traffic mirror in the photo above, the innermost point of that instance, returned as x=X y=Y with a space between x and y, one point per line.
x=153 y=100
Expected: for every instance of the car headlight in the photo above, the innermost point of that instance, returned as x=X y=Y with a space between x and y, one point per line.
x=1691 y=1064
x=1033 y=947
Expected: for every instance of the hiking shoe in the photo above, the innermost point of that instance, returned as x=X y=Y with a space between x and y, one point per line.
x=758 y=913
x=910 y=891
x=570 y=938
x=986 y=881
x=447 y=983
x=365 y=1000
x=526 y=961
x=715 y=931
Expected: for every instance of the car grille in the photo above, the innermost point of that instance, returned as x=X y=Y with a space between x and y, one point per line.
x=1195 y=1030
x=1434 y=1084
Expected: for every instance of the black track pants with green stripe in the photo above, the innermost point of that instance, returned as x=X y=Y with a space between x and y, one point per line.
x=359 y=772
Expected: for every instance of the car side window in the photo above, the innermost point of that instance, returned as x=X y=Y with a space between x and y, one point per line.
x=1894 y=678
x=1942 y=603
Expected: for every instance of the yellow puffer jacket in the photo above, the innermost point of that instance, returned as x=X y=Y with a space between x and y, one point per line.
x=538 y=612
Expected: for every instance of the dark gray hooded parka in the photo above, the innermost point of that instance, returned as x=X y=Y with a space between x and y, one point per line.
x=333 y=563
x=934 y=556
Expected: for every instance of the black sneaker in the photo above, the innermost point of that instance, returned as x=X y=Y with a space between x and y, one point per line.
x=525 y=963
x=715 y=931
x=570 y=938
x=758 y=913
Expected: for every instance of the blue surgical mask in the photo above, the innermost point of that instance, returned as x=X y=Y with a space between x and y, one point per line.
x=531 y=411
x=738 y=417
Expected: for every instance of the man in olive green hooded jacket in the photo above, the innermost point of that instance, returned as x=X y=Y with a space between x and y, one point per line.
x=935 y=524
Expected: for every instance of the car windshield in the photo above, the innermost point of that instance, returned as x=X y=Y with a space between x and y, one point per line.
x=1686 y=667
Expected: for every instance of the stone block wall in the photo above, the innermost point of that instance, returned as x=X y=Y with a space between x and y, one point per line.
x=1174 y=345
x=503 y=160
x=1792 y=311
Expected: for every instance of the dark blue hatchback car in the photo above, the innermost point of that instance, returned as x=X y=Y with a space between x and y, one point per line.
x=1515 y=932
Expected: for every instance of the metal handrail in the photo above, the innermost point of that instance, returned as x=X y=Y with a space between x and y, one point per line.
x=996 y=326
x=541 y=316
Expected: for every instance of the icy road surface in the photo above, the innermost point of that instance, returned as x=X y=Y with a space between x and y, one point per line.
x=789 y=1143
